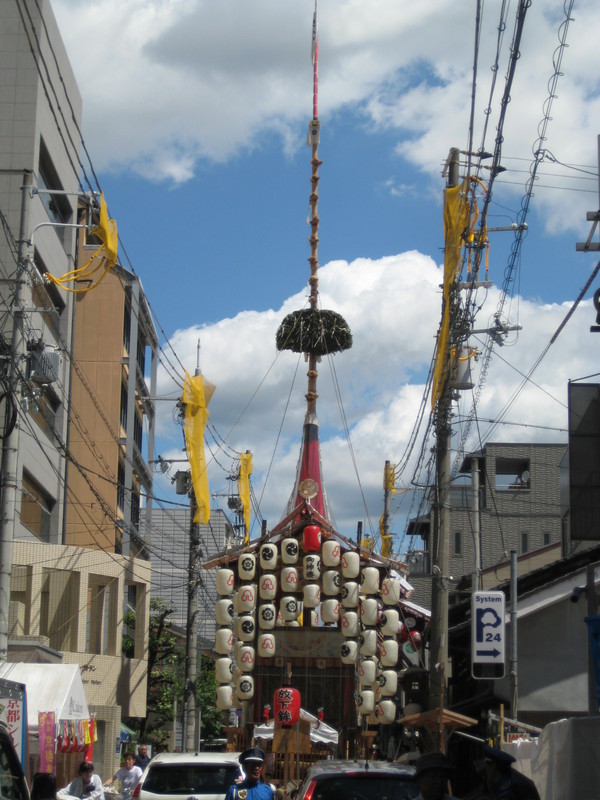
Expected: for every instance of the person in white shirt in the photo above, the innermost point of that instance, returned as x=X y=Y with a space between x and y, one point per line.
x=128 y=776
x=87 y=784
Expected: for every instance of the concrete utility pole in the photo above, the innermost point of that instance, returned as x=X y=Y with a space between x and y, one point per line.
x=191 y=639
x=438 y=642
x=10 y=447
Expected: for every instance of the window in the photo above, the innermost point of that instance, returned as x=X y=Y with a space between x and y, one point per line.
x=524 y=542
x=36 y=508
x=44 y=408
x=121 y=487
x=457 y=543
x=512 y=474
x=546 y=538
x=123 y=413
x=46 y=297
x=57 y=206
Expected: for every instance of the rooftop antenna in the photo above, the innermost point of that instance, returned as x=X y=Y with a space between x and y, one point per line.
x=198 y=370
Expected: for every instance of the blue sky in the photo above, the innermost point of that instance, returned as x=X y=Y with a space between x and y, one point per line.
x=196 y=125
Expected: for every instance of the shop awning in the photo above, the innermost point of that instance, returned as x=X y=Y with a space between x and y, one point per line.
x=50 y=687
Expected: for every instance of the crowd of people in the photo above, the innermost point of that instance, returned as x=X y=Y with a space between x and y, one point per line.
x=433 y=775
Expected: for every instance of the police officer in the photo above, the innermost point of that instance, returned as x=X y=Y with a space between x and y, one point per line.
x=252 y=787
x=502 y=779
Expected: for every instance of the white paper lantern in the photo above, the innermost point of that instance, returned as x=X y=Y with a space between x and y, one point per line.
x=366 y=701
x=312 y=567
x=223 y=670
x=386 y=712
x=389 y=622
x=330 y=611
x=390 y=591
x=245 y=628
x=388 y=652
x=289 y=580
x=267 y=587
x=224 y=698
x=237 y=649
x=388 y=680
x=314 y=619
x=349 y=594
x=266 y=645
x=267 y=614
x=349 y=651
x=368 y=611
x=367 y=671
x=246 y=566
x=376 y=689
x=290 y=608
x=369 y=580
x=246 y=598
x=245 y=687
x=312 y=595
x=350 y=564
x=268 y=556
x=330 y=582
x=292 y=623
x=331 y=553
x=349 y=624
x=225 y=581
x=247 y=658
x=224 y=611
x=224 y=641
x=372 y=718
x=368 y=642
x=289 y=551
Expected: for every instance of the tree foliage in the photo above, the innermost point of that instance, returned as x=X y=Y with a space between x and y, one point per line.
x=166 y=670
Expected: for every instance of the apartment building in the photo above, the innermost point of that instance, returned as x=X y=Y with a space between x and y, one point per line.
x=76 y=381
x=506 y=497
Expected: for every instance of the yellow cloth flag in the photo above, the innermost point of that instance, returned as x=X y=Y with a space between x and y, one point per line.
x=244 y=490
x=106 y=231
x=456 y=220
x=196 y=416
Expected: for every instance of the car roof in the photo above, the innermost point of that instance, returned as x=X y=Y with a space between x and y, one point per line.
x=196 y=758
x=339 y=766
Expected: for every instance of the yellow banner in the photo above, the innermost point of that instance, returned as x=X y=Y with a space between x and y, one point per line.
x=196 y=416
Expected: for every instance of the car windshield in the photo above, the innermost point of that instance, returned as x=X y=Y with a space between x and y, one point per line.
x=365 y=787
x=186 y=778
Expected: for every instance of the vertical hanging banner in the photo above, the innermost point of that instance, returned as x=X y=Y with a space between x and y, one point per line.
x=13 y=713
x=47 y=737
x=244 y=490
x=196 y=397
x=593 y=624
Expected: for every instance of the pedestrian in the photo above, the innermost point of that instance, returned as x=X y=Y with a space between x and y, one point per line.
x=87 y=784
x=503 y=781
x=432 y=776
x=252 y=787
x=142 y=759
x=43 y=786
x=128 y=776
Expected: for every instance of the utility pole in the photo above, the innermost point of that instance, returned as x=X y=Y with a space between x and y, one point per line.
x=10 y=448
x=438 y=642
x=191 y=639
x=475 y=525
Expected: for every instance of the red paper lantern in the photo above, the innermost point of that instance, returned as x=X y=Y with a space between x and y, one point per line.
x=286 y=706
x=321 y=714
x=415 y=639
x=403 y=633
x=311 y=538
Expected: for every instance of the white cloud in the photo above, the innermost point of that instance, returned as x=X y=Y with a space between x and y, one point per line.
x=393 y=308
x=168 y=84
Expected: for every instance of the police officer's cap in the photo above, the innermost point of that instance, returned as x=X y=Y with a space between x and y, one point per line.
x=252 y=754
x=502 y=758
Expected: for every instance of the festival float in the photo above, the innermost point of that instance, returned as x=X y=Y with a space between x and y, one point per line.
x=314 y=626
